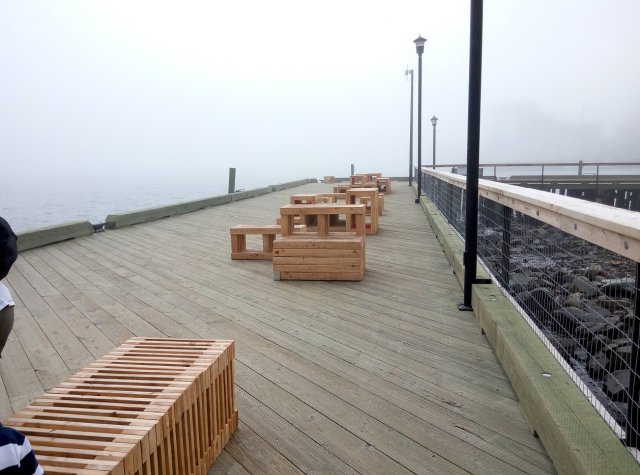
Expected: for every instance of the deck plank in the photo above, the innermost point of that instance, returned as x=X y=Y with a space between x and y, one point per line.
x=379 y=376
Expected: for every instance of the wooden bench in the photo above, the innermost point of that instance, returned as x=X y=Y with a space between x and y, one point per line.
x=301 y=199
x=331 y=198
x=150 y=406
x=383 y=184
x=340 y=188
x=239 y=241
x=326 y=254
x=370 y=197
x=239 y=235
x=364 y=180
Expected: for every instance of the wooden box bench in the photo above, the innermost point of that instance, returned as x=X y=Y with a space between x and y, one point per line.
x=383 y=184
x=150 y=406
x=239 y=235
x=370 y=197
x=325 y=255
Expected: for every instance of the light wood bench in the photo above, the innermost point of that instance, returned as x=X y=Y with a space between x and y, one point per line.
x=151 y=406
x=326 y=254
x=268 y=232
x=332 y=198
x=383 y=184
x=340 y=188
x=239 y=241
x=370 y=197
x=303 y=198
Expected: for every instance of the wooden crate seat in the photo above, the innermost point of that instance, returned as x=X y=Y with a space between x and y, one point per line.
x=151 y=406
x=325 y=255
x=333 y=257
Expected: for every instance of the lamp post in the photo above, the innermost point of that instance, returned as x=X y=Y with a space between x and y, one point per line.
x=409 y=72
x=434 y=121
x=419 y=41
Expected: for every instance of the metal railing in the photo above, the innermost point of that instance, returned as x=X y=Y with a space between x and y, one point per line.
x=572 y=268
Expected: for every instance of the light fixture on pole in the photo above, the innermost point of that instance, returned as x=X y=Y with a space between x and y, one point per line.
x=434 y=121
x=419 y=41
x=409 y=72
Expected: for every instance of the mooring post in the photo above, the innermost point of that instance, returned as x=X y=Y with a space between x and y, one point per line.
x=353 y=169
x=232 y=180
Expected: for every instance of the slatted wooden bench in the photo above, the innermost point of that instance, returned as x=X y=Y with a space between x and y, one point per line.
x=326 y=254
x=151 y=406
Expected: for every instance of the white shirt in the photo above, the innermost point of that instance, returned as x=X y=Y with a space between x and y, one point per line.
x=5 y=297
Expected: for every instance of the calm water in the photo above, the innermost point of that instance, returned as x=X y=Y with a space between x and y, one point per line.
x=35 y=203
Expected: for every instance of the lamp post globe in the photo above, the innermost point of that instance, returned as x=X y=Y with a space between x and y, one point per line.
x=419 y=42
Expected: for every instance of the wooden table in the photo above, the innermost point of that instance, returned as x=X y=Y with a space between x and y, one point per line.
x=354 y=215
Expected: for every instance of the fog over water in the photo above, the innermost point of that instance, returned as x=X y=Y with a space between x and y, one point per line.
x=112 y=105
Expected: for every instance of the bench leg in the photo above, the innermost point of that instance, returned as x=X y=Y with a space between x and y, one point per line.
x=267 y=242
x=238 y=243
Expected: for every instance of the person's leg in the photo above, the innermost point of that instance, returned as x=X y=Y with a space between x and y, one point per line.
x=6 y=324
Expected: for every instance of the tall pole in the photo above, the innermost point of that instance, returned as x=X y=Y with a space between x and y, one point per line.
x=434 y=121
x=410 y=72
x=420 y=41
x=434 y=147
x=473 y=153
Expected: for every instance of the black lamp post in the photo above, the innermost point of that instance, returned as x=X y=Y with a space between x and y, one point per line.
x=419 y=41
x=434 y=121
x=409 y=72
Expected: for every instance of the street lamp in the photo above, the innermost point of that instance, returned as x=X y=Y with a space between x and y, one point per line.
x=419 y=41
x=409 y=72
x=434 y=121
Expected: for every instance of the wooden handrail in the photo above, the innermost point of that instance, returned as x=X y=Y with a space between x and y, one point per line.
x=611 y=228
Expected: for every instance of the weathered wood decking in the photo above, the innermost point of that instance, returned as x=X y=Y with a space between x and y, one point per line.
x=379 y=376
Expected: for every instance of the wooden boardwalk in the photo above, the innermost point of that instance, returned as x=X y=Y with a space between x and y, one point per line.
x=380 y=376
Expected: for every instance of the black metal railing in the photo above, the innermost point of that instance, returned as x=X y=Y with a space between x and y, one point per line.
x=581 y=298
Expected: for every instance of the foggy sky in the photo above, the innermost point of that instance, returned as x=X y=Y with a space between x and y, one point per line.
x=283 y=90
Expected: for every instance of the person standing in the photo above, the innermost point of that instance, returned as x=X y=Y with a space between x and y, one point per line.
x=8 y=255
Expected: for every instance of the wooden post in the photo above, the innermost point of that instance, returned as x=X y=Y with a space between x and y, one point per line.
x=232 y=180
